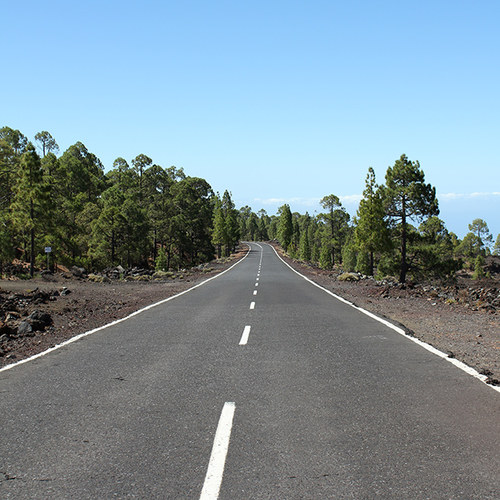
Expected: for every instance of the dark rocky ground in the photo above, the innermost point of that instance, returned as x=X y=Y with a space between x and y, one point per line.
x=461 y=319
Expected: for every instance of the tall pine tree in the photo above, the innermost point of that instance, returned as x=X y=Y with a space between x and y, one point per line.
x=407 y=197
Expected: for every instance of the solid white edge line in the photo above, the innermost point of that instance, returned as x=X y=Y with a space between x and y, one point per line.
x=245 y=335
x=135 y=313
x=215 y=471
x=459 y=364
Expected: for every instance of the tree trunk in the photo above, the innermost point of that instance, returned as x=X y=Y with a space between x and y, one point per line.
x=404 y=265
x=32 y=249
x=32 y=256
x=371 y=263
x=168 y=251
x=155 y=242
x=112 y=247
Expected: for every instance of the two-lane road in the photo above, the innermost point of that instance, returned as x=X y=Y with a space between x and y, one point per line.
x=303 y=396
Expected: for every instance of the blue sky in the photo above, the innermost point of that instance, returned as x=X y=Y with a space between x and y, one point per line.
x=276 y=101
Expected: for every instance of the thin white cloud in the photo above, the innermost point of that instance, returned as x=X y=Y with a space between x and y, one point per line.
x=351 y=198
x=348 y=199
x=296 y=200
x=354 y=199
x=464 y=196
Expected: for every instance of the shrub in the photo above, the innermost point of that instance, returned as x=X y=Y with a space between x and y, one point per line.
x=161 y=261
x=478 y=268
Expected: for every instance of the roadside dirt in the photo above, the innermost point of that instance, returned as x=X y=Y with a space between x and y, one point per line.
x=468 y=331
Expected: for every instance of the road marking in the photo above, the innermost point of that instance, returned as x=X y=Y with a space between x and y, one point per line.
x=255 y=292
x=116 y=322
x=215 y=471
x=252 y=305
x=257 y=279
x=256 y=284
x=421 y=343
x=244 y=337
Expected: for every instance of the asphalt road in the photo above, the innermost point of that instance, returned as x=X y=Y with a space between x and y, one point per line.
x=301 y=396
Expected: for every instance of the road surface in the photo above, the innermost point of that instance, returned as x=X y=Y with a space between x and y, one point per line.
x=255 y=385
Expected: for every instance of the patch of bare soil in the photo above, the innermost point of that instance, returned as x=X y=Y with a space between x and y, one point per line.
x=461 y=320
x=39 y=313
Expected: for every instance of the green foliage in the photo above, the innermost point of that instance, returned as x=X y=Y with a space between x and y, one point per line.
x=432 y=251
x=469 y=247
x=95 y=219
x=226 y=225
x=30 y=205
x=193 y=201
x=363 y=264
x=161 y=263
x=6 y=238
x=219 y=227
x=480 y=229
x=371 y=232
x=388 y=265
x=406 y=197
x=147 y=215
x=349 y=257
x=496 y=248
x=304 y=246
x=15 y=139
x=478 y=268
x=336 y=224
x=325 y=261
x=285 y=226
x=47 y=142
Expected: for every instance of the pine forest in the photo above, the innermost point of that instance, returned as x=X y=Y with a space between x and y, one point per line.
x=143 y=214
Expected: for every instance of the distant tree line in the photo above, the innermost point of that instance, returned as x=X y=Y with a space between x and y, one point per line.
x=396 y=231
x=130 y=215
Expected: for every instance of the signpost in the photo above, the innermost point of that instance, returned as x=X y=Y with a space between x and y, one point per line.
x=47 y=251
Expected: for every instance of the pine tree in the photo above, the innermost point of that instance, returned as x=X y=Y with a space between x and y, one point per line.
x=161 y=263
x=30 y=203
x=336 y=223
x=218 y=233
x=371 y=232
x=325 y=255
x=407 y=197
x=47 y=142
x=231 y=226
x=478 y=268
x=285 y=226
x=304 y=247
x=482 y=232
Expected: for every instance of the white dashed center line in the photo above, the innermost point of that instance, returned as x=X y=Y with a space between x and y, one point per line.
x=252 y=305
x=255 y=292
x=215 y=470
x=244 y=337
